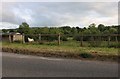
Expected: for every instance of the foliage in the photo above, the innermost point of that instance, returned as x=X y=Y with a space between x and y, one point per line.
x=64 y=38
x=24 y=28
x=61 y=51
x=91 y=29
x=86 y=55
x=101 y=27
x=65 y=31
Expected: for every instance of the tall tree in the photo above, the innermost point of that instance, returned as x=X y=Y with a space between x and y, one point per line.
x=101 y=27
x=92 y=25
x=24 y=28
x=93 y=29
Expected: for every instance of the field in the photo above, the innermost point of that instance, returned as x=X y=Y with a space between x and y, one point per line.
x=69 y=49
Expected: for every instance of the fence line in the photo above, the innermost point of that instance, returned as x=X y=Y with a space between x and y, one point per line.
x=92 y=37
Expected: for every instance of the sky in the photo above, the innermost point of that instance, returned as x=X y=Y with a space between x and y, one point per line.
x=56 y=14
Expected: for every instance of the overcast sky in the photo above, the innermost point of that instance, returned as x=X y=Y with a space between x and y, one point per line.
x=56 y=14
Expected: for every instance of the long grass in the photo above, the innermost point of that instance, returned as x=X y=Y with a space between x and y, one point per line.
x=68 y=47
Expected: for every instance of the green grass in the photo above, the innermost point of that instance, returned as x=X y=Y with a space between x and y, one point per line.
x=65 y=47
x=68 y=49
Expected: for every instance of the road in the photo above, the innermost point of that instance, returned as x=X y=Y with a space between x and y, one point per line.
x=16 y=65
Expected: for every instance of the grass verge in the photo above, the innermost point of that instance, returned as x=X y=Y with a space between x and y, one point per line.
x=90 y=53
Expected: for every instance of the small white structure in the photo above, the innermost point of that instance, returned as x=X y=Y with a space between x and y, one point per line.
x=30 y=40
x=12 y=37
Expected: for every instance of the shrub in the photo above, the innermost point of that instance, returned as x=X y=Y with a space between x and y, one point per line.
x=114 y=45
x=18 y=41
x=76 y=37
x=86 y=55
x=94 y=43
x=64 y=38
x=52 y=43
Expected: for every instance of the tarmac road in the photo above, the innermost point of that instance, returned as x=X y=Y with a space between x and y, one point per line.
x=16 y=65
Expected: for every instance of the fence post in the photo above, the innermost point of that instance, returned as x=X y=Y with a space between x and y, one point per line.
x=23 y=38
x=40 y=37
x=81 y=40
x=10 y=38
x=116 y=41
x=59 y=39
x=108 y=40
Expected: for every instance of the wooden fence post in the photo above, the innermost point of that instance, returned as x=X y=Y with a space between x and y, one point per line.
x=108 y=40
x=116 y=41
x=23 y=38
x=59 y=39
x=40 y=37
x=81 y=40
x=10 y=38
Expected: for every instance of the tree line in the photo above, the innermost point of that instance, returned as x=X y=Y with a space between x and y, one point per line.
x=66 y=30
x=91 y=29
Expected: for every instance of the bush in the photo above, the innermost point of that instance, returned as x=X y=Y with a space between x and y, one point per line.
x=18 y=41
x=94 y=43
x=114 y=45
x=76 y=37
x=52 y=43
x=64 y=38
x=86 y=55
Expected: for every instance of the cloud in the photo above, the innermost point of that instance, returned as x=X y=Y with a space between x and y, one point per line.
x=6 y=25
x=60 y=0
x=8 y=14
x=60 y=13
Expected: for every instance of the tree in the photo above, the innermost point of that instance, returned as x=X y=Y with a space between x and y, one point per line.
x=112 y=30
x=65 y=29
x=54 y=30
x=106 y=32
x=101 y=27
x=93 y=29
x=12 y=30
x=4 y=30
x=45 y=30
x=74 y=31
x=79 y=30
x=24 y=28
x=92 y=25
x=86 y=32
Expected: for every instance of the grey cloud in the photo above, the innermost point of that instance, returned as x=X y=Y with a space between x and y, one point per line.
x=57 y=13
x=8 y=15
x=106 y=9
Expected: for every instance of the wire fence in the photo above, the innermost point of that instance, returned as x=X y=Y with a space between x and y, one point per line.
x=111 y=40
